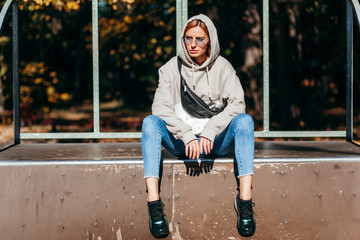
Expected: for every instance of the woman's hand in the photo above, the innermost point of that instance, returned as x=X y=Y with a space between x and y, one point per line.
x=192 y=149
x=206 y=144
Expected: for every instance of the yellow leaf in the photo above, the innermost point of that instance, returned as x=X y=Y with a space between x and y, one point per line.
x=50 y=90
x=137 y=56
x=3 y=70
x=171 y=9
x=167 y=38
x=199 y=2
x=40 y=64
x=51 y=99
x=158 y=50
x=45 y=109
x=52 y=74
x=73 y=5
x=38 y=80
x=65 y=96
x=38 y=2
x=59 y=3
x=127 y=19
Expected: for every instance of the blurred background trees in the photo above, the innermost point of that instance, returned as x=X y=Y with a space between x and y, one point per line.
x=307 y=60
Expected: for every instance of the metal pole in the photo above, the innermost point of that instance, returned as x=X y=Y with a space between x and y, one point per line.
x=266 y=75
x=95 y=43
x=15 y=72
x=349 y=71
x=181 y=18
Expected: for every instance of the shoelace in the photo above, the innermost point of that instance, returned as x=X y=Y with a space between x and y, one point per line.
x=157 y=213
x=247 y=211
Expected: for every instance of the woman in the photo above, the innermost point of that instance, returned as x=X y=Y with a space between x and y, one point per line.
x=214 y=80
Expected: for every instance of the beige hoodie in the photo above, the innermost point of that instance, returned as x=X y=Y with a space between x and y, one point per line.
x=215 y=81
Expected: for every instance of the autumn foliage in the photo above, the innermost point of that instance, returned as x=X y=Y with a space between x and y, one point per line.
x=307 y=55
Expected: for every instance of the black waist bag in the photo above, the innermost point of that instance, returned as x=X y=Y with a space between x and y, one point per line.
x=191 y=102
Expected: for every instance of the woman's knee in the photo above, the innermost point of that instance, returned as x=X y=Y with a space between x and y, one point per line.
x=151 y=123
x=244 y=121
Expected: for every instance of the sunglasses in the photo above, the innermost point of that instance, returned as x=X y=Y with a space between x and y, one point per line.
x=201 y=42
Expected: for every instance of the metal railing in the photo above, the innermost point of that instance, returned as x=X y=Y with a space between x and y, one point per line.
x=15 y=63
x=181 y=17
x=351 y=6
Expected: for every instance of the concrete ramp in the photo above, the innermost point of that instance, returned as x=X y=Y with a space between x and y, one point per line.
x=63 y=197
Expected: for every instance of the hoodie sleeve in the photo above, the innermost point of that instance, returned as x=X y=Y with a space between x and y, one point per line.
x=163 y=105
x=233 y=95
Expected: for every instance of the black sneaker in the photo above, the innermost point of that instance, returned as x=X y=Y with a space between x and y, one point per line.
x=245 y=221
x=158 y=225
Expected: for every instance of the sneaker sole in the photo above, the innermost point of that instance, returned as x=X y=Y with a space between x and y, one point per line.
x=156 y=235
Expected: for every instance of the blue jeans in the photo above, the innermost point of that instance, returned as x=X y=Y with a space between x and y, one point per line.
x=239 y=134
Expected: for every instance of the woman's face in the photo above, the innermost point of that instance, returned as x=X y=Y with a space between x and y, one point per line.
x=196 y=42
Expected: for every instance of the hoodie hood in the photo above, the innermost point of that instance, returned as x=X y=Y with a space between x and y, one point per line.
x=214 y=43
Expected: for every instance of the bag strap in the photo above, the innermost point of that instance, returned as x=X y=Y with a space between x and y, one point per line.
x=183 y=84
x=179 y=67
x=179 y=64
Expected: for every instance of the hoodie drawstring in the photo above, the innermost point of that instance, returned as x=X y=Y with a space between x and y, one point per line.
x=208 y=80
x=193 y=75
